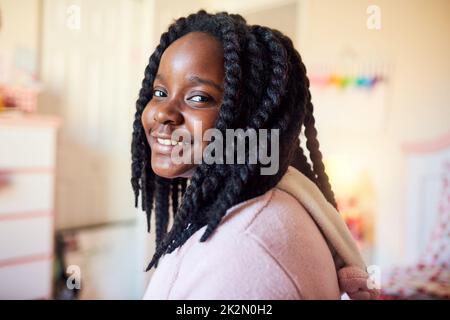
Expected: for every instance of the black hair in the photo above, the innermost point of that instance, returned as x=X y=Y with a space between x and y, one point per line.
x=265 y=86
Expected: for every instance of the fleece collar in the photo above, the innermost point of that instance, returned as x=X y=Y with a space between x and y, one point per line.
x=350 y=266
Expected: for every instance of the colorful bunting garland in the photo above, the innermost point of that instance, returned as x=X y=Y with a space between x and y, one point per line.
x=343 y=81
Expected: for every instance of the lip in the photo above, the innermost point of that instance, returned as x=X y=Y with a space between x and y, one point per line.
x=158 y=147
x=160 y=135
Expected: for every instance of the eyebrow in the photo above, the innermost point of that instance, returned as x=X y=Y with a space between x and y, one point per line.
x=196 y=79
x=159 y=77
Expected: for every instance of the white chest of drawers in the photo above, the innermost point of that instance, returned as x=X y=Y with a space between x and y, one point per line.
x=27 y=167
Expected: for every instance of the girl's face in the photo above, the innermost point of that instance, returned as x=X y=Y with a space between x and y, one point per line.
x=187 y=94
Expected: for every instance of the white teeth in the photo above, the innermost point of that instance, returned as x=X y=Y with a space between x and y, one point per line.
x=167 y=142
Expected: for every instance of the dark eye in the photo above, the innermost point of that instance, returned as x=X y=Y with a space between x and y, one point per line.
x=159 y=93
x=199 y=98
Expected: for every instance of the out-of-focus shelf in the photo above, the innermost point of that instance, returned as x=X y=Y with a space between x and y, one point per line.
x=27 y=168
x=16 y=118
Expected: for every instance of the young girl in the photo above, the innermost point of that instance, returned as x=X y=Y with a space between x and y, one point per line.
x=237 y=233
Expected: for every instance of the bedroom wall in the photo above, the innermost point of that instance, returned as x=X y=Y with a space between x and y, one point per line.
x=414 y=39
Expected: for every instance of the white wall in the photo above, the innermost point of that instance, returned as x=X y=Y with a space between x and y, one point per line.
x=19 y=24
x=92 y=74
x=414 y=35
x=19 y=41
x=414 y=38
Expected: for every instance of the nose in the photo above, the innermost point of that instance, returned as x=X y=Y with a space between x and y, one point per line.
x=168 y=113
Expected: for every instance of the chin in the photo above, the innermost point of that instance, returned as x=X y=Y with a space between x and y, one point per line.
x=164 y=167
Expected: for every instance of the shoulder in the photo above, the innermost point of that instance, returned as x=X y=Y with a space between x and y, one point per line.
x=288 y=233
x=275 y=218
x=283 y=224
x=232 y=264
x=238 y=268
x=278 y=227
x=265 y=248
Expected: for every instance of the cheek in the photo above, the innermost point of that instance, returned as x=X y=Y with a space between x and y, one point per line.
x=204 y=119
x=147 y=117
x=198 y=122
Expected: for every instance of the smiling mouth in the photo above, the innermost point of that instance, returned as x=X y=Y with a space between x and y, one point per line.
x=168 y=142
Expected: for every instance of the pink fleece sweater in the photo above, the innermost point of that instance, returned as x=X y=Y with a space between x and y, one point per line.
x=269 y=247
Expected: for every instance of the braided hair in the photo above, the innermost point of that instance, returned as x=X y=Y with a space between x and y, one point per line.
x=265 y=87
